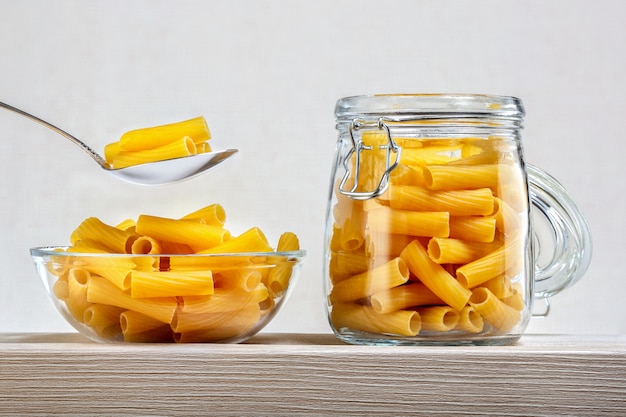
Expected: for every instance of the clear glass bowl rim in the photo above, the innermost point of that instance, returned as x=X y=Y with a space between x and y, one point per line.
x=47 y=251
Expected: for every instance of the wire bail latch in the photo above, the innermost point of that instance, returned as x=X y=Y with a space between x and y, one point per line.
x=357 y=148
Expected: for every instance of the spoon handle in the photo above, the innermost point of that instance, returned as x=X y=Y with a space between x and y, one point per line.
x=61 y=132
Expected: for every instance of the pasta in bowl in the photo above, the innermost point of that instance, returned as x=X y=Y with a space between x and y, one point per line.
x=205 y=297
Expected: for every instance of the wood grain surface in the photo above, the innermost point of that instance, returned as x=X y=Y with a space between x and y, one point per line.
x=311 y=374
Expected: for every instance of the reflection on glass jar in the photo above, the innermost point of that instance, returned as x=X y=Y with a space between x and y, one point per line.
x=428 y=236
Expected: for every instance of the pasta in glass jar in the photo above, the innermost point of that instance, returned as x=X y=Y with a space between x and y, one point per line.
x=429 y=238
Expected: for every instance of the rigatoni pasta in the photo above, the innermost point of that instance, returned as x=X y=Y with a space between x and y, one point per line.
x=158 y=143
x=453 y=213
x=162 y=279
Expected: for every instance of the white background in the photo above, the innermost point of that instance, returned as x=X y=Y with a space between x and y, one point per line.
x=266 y=75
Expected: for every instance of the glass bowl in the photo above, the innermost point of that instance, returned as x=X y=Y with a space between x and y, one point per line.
x=113 y=298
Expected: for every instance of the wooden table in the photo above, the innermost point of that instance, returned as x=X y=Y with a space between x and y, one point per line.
x=311 y=374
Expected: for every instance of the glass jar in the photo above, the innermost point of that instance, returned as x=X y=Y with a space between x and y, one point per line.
x=433 y=231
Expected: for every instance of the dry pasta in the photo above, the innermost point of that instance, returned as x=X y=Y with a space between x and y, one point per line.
x=150 y=284
x=186 y=322
x=178 y=149
x=109 y=237
x=252 y=240
x=247 y=279
x=455 y=212
x=457 y=251
x=456 y=203
x=499 y=314
x=403 y=297
x=445 y=177
x=196 y=235
x=407 y=222
x=490 y=265
x=157 y=143
x=473 y=228
x=470 y=320
x=438 y=318
x=437 y=279
x=101 y=291
x=360 y=317
x=151 y=137
x=158 y=294
x=389 y=275
x=212 y=214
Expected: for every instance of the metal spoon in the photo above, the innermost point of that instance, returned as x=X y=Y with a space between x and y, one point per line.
x=152 y=173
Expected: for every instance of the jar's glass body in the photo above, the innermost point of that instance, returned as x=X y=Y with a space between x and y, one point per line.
x=427 y=234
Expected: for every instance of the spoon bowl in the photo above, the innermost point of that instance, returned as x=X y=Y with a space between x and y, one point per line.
x=151 y=173
x=172 y=170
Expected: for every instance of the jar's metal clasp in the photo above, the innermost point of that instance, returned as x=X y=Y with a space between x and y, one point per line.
x=357 y=147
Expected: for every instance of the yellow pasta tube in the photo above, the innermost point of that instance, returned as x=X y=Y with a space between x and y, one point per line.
x=247 y=279
x=144 y=245
x=493 y=310
x=114 y=239
x=473 y=155
x=364 y=318
x=447 y=177
x=89 y=246
x=406 y=222
x=389 y=275
x=383 y=244
x=516 y=299
x=127 y=224
x=58 y=265
x=77 y=284
x=456 y=251
x=351 y=235
x=456 y=202
x=212 y=214
x=213 y=263
x=287 y=242
x=114 y=269
x=101 y=316
x=161 y=334
x=347 y=208
x=186 y=322
x=407 y=175
x=278 y=278
x=437 y=279
x=223 y=300
x=60 y=289
x=156 y=136
x=373 y=161
x=492 y=265
x=148 y=284
x=173 y=248
x=112 y=332
x=100 y=290
x=202 y=236
x=253 y=240
x=203 y=147
x=343 y=265
x=180 y=148
x=235 y=330
x=507 y=219
x=438 y=318
x=499 y=286
x=476 y=229
x=427 y=155
x=470 y=320
x=111 y=150
x=133 y=322
x=402 y=297
x=335 y=238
